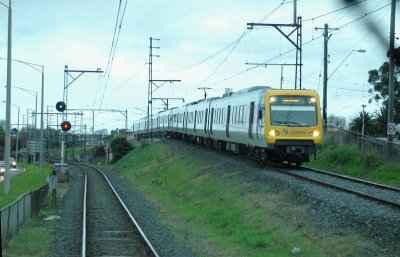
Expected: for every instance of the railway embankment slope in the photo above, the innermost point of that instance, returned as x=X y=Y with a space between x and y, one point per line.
x=222 y=205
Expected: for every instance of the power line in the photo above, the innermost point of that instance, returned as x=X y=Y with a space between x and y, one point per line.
x=328 y=13
x=113 y=38
x=114 y=46
x=363 y=16
x=236 y=42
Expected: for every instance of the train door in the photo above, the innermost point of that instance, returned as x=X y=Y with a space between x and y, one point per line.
x=195 y=120
x=211 y=120
x=228 y=119
x=206 y=121
x=185 y=121
x=260 y=121
x=251 y=120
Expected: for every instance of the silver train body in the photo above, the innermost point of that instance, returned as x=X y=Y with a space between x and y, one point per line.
x=245 y=122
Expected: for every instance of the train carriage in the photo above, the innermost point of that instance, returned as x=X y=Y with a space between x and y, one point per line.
x=268 y=124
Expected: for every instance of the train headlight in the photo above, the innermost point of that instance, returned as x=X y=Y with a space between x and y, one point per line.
x=272 y=99
x=313 y=100
x=272 y=133
x=315 y=133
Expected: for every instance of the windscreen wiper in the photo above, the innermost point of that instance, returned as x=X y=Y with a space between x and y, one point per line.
x=289 y=123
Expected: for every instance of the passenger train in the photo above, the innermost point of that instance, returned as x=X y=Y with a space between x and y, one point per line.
x=268 y=124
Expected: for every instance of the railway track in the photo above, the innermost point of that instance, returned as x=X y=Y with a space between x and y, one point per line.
x=108 y=228
x=386 y=195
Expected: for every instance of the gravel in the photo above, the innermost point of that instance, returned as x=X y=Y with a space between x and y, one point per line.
x=68 y=232
x=67 y=239
x=344 y=214
x=331 y=211
x=386 y=194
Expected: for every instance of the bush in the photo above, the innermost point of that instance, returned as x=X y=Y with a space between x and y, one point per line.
x=120 y=147
x=99 y=151
x=339 y=154
x=371 y=160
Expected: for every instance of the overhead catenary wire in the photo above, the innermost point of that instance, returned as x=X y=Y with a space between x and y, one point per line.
x=114 y=45
x=337 y=10
x=306 y=43
x=235 y=43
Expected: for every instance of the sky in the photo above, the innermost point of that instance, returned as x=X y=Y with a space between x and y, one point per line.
x=202 y=43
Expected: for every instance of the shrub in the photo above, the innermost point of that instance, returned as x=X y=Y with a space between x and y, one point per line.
x=120 y=147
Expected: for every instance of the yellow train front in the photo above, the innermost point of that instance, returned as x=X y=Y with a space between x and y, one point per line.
x=293 y=124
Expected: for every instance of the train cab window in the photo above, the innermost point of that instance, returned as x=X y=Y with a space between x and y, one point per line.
x=293 y=111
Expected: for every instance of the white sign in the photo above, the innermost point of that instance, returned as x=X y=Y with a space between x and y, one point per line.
x=391 y=129
x=33 y=146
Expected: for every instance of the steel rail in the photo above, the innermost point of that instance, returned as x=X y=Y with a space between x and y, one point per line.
x=142 y=234
x=83 y=248
x=342 y=189
x=356 y=180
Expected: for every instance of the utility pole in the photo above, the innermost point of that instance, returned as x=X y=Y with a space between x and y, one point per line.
x=325 y=86
x=363 y=121
x=7 y=146
x=154 y=82
x=391 y=77
x=150 y=86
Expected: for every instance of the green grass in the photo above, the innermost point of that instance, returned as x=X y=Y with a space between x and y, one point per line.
x=220 y=215
x=362 y=163
x=35 y=236
x=28 y=180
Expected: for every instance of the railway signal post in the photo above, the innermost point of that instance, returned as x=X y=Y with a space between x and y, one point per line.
x=61 y=168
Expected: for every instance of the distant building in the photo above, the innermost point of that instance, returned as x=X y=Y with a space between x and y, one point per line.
x=101 y=132
x=3 y=124
x=336 y=122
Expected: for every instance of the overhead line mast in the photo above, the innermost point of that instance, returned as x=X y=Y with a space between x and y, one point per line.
x=297 y=25
x=154 y=82
x=327 y=36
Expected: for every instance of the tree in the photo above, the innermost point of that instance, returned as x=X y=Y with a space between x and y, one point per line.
x=379 y=79
x=380 y=120
x=120 y=147
x=357 y=122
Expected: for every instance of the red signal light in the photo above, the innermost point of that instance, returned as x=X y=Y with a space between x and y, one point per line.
x=66 y=126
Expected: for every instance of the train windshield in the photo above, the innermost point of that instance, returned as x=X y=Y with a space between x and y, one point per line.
x=293 y=111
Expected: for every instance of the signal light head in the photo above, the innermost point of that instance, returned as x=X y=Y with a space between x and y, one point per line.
x=61 y=106
x=66 y=126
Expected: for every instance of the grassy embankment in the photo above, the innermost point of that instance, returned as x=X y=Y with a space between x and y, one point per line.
x=218 y=214
x=221 y=215
x=33 y=237
x=361 y=163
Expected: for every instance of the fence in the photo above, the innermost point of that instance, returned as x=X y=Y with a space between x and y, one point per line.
x=389 y=150
x=14 y=215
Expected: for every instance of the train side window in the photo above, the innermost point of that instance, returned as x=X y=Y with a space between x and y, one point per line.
x=244 y=114
x=228 y=116
x=241 y=114
x=211 y=120
x=234 y=115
